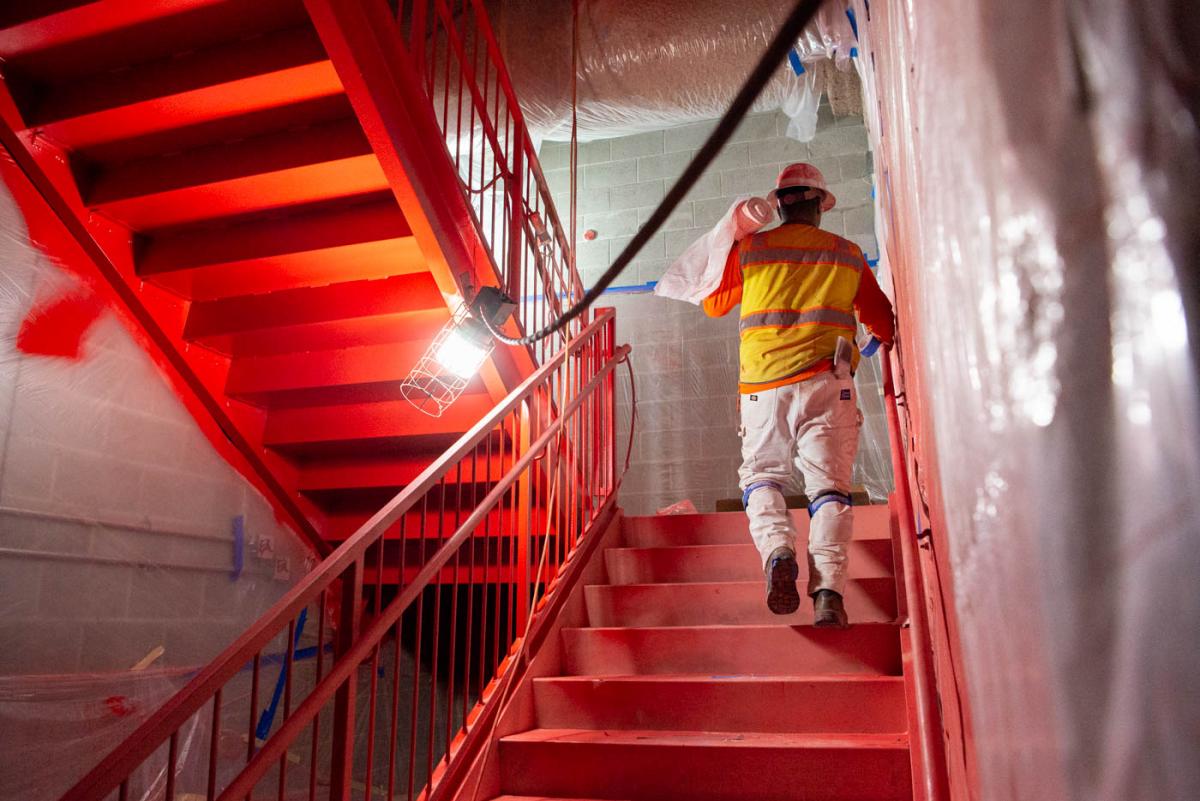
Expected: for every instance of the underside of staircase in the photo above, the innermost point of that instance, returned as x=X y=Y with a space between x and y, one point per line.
x=670 y=679
x=287 y=269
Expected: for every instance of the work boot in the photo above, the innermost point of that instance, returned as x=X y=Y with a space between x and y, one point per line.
x=782 y=596
x=828 y=611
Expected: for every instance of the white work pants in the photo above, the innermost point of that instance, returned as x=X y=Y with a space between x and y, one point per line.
x=814 y=423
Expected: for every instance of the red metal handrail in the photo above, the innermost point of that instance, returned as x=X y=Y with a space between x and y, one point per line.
x=931 y=774
x=474 y=541
x=462 y=71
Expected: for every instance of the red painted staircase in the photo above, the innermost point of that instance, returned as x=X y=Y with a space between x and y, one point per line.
x=287 y=200
x=684 y=686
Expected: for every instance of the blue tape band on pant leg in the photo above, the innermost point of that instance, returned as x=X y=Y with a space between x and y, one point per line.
x=757 y=485
x=832 y=497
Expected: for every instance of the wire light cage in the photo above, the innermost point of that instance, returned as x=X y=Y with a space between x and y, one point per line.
x=447 y=365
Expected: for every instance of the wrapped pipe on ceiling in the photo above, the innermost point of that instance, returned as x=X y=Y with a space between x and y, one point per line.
x=660 y=63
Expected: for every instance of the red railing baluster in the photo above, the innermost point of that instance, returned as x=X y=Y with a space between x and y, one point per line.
x=341 y=761
x=172 y=759
x=251 y=735
x=396 y=668
x=314 y=752
x=288 y=669
x=416 y=692
x=213 y=747
x=450 y=665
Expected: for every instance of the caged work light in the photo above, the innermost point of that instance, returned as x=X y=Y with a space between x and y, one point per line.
x=456 y=353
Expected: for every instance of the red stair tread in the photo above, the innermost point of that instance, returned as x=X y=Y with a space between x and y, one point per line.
x=348 y=375
x=223 y=81
x=872 y=648
x=283 y=168
x=724 y=528
x=836 y=703
x=704 y=563
x=61 y=41
x=364 y=237
x=537 y=798
x=871 y=600
x=706 y=766
x=368 y=421
x=717 y=739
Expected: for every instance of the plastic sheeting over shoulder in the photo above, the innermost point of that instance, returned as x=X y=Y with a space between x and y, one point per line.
x=1039 y=164
x=654 y=64
x=697 y=272
x=131 y=552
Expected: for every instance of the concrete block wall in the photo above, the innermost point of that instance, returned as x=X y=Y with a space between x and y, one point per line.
x=621 y=181
x=116 y=514
x=686 y=443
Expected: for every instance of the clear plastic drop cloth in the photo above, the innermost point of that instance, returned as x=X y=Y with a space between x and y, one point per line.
x=697 y=272
x=131 y=552
x=800 y=103
x=1038 y=167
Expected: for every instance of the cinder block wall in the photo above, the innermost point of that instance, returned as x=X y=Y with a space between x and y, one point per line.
x=116 y=514
x=685 y=362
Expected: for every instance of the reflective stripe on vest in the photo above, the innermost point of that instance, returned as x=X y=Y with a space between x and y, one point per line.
x=794 y=319
x=796 y=256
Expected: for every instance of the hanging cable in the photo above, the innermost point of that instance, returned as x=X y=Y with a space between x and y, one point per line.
x=785 y=38
x=574 y=128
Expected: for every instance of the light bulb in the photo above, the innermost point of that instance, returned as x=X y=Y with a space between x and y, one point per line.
x=459 y=355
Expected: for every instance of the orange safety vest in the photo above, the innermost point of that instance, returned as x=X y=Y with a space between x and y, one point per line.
x=799 y=288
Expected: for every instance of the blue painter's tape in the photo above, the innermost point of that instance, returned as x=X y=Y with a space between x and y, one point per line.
x=631 y=289
x=268 y=716
x=794 y=60
x=628 y=289
x=239 y=547
x=871 y=347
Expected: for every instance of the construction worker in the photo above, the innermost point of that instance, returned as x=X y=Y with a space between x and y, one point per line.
x=799 y=288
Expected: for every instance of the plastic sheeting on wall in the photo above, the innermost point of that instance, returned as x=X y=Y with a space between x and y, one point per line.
x=1039 y=166
x=655 y=64
x=130 y=552
x=42 y=717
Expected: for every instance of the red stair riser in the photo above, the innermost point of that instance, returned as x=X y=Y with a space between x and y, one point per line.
x=255 y=192
x=688 y=772
x=870 y=648
x=697 y=604
x=724 y=528
x=696 y=703
x=868 y=559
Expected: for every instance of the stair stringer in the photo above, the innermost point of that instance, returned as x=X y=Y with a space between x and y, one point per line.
x=481 y=778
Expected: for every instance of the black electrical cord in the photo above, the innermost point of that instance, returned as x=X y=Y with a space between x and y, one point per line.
x=784 y=39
